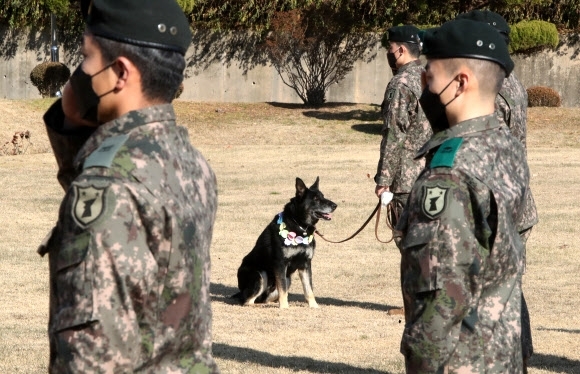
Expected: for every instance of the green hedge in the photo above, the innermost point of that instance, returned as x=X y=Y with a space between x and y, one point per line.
x=531 y=35
x=186 y=5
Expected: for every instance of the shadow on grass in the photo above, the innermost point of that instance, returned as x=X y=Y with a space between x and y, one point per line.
x=304 y=106
x=372 y=115
x=223 y=293
x=554 y=363
x=368 y=128
x=560 y=330
x=296 y=363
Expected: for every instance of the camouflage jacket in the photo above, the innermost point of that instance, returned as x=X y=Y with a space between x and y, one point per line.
x=461 y=252
x=511 y=108
x=129 y=257
x=405 y=130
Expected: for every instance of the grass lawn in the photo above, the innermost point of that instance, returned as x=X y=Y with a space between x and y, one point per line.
x=257 y=151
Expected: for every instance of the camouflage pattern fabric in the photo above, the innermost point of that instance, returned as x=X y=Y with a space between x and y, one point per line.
x=462 y=261
x=512 y=108
x=129 y=256
x=405 y=130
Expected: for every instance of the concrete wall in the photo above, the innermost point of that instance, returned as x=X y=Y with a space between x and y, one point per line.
x=218 y=80
x=558 y=69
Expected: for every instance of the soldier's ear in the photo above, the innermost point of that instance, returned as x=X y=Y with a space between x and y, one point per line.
x=463 y=81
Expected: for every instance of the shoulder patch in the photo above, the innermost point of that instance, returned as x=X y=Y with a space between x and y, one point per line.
x=445 y=155
x=105 y=154
x=434 y=201
x=391 y=94
x=90 y=203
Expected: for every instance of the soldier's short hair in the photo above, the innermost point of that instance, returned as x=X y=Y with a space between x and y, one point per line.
x=161 y=70
x=413 y=48
x=490 y=75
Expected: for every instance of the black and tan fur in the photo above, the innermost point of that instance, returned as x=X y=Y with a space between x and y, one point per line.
x=265 y=272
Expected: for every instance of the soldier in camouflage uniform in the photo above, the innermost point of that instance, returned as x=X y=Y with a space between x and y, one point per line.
x=462 y=256
x=511 y=108
x=129 y=256
x=405 y=127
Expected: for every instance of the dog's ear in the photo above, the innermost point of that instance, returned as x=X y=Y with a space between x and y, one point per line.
x=315 y=185
x=300 y=187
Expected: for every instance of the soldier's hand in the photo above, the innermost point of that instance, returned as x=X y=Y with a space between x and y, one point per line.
x=71 y=110
x=380 y=189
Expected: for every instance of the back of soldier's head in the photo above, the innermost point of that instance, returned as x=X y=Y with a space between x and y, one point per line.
x=475 y=45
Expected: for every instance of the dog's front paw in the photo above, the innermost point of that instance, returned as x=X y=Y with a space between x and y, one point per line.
x=284 y=305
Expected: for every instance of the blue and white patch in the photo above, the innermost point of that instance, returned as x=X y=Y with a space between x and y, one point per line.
x=434 y=201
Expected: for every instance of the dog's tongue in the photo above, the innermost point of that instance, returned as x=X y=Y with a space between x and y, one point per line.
x=327 y=216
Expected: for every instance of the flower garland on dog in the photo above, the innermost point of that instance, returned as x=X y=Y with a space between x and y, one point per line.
x=290 y=237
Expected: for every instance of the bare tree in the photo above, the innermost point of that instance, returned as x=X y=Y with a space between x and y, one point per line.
x=314 y=47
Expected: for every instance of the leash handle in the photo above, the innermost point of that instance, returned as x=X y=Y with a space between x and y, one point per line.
x=391 y=211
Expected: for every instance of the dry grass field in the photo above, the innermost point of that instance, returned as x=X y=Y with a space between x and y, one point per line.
x=257 y=151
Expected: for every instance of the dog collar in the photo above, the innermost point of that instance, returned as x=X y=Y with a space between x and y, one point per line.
x=290 y=237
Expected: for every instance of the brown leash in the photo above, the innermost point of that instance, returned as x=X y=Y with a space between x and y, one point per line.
x=391 y=212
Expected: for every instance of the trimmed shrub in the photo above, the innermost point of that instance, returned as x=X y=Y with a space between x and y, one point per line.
x=543 y=96
x=49 y=77
x=186 y=5
x=529 y=36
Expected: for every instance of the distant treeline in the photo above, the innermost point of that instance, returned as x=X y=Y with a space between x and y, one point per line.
x=380 y=14
x=373 y=15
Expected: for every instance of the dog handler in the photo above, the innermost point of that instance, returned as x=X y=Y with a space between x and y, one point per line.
x=462 y=256
x=129 y=256
x=405 y=127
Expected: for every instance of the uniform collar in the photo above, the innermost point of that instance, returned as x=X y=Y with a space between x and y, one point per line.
x=136 y=118
x=463 y=129
x=409 y=65
x=123 y=125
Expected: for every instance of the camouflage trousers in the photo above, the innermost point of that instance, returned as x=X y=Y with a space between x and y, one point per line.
x=399 y=202
x=398 y=205
x=527 y=345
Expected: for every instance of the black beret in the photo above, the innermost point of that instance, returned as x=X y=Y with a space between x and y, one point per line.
x=403 y=34
x=487 y=16
x=157 y=24
x=463 y=38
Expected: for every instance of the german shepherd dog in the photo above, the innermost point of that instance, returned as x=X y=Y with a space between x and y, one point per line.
x=286 y=245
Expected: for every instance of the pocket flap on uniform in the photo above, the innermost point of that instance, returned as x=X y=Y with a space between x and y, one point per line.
x=420 y=258
x=73 y=252
x=73 y=298
x=420 y=234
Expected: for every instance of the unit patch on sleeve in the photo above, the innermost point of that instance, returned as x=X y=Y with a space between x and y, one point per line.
x=391 y=94
x=89 y=204
x=434 y=201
